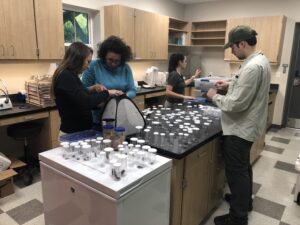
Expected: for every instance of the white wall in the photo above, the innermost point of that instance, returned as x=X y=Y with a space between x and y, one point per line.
x=213 y=58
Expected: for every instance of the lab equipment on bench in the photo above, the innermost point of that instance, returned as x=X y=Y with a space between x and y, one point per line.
x=5 y=102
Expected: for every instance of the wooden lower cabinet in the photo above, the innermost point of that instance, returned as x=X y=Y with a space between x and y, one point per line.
x=140 y=102
x=216 y=175
x=195 y=193
x=196 y=184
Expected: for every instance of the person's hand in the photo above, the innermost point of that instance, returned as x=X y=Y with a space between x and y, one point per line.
x=197 y=73
x=115 y=92
x=221 y=85
x=211 y=93
x=97 y=88
x=186 y=97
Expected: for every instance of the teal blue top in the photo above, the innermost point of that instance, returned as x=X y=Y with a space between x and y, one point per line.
x=120 y=79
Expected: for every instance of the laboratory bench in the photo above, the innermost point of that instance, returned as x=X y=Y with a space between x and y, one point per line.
x=197 y=175
x=24 y=112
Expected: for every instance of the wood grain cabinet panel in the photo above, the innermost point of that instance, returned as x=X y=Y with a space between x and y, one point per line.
x=49 y=28
x=119 y=21
x=270 y=31
x=31 y=29
x=145 y=32
x=195 y=193
x=17 y=28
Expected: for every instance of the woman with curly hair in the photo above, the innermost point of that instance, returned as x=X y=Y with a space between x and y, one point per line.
x=111 y=70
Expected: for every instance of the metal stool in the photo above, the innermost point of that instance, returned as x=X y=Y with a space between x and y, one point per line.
x=23 y=132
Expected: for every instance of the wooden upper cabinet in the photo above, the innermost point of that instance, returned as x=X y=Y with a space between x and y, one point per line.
x=18 y=39
x=119 y=21
x=31 y=29
x=145 y=32
x=151 y=35
x=144 y=44
x=270 y=31
x=2 y=31
x=161 y=24
x=49 y=28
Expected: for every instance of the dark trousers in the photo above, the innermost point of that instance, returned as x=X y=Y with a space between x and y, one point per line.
x=239 y=174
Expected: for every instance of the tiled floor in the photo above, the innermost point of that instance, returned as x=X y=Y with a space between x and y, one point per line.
x=274 y=184
x=274 y=176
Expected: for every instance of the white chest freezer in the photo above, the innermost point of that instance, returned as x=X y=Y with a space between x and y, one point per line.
x=81 y=193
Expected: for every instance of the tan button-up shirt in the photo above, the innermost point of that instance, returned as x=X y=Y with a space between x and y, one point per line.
x=245 y=106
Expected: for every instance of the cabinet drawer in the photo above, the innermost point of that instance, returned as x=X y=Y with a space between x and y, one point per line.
x=25 y=118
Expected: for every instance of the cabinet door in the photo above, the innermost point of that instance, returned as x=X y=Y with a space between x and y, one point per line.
x=19 y=29
x=49 y=27
x=143 y=35
x=2 y=31
x=160 y=36
x=119 y=21
x=270 y=45
x=196 y=192
x=217 y=175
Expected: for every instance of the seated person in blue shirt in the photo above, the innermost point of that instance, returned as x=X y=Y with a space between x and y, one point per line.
x=111 y=70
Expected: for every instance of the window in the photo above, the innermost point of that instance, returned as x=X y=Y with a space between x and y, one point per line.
x=76 y=26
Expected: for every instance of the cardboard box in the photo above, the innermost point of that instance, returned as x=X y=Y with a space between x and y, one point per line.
x=6 y=178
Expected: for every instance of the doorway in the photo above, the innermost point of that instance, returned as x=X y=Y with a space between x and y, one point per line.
x=292 y=100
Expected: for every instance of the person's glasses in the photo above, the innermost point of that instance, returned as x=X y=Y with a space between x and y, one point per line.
x=113 y=61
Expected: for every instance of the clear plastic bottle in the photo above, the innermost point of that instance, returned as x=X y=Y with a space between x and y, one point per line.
x=119 y=136
x=108 y=131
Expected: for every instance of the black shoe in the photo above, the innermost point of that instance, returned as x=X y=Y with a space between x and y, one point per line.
x=227 y=197
x=229 y=220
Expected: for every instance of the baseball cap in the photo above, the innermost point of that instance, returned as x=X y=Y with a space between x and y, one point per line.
x=239 y=33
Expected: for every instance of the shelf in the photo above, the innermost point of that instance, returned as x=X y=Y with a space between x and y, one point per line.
x=178 y=24
x=204 y=33
x=219 y=46
x=209 y=38
x=175 y=45
x=177 y=30
x=208 y=31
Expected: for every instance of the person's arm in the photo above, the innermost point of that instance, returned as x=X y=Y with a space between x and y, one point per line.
x=130 y=89
x=192 y=78
x=243 y=92
x=88 y=78
x=72 y=90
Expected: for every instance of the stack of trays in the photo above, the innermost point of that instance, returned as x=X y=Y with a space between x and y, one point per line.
x=39 y=92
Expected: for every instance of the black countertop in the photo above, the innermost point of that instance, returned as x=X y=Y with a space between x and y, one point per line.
x=202 y=138
x=144 y=91
x=20 y=109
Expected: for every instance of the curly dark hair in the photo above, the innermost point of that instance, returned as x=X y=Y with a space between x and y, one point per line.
x=116 y=45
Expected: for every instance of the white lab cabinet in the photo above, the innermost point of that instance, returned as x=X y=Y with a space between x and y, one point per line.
x=77 y=193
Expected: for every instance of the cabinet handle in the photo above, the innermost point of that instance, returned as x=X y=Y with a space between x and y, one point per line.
x=13 y=50
x=3 y=50
x=72 y=189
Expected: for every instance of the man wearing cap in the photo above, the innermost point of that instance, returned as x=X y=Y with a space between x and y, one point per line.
x=244 y=115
